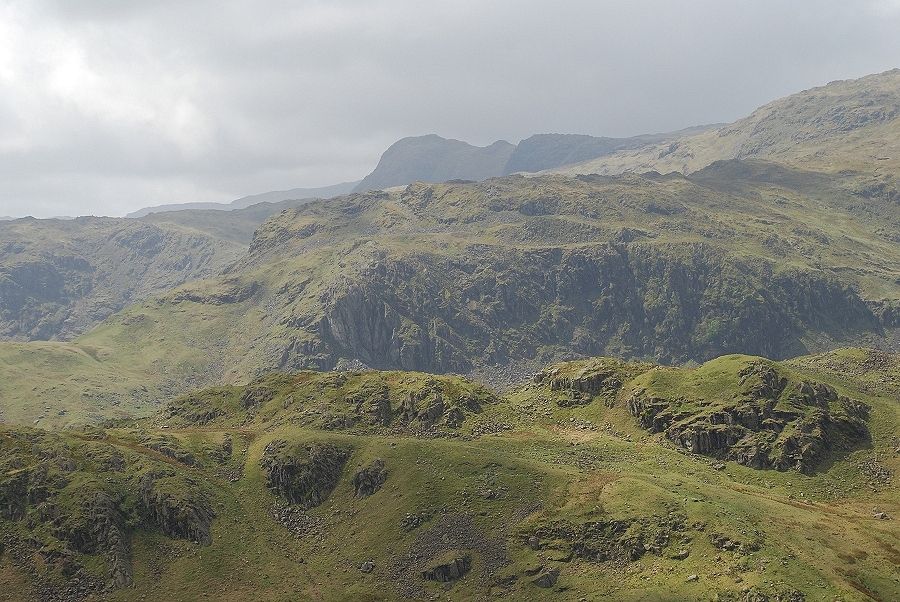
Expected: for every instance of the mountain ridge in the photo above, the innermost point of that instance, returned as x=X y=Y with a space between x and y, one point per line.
x=275 y=196
x=845 y=124
x=432 y=158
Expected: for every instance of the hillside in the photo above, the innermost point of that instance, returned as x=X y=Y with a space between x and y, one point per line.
x=60 y=277
x=845 y=125
x=489 y=278
x=395 y=485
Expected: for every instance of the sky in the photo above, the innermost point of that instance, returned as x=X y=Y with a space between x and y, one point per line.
x=107 y=106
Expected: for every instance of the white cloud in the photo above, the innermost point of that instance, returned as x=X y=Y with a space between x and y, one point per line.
x=107 y=106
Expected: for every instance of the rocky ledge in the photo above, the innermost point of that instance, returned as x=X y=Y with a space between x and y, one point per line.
x=771 y=422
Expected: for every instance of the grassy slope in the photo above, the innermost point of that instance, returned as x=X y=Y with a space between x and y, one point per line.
x=816 y=532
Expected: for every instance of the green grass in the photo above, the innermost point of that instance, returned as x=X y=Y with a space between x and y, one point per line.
x=815 y=533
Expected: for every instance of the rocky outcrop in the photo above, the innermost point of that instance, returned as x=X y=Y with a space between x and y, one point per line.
x=546 y=578
x=583 y=381
x=771 y=423
x=427 y=406
x=304 y=474
x=369 y=479
x=254 y=396
x=448 y=567
x=372 y=403
x=600 y=541
x=95 y=524
x=177 y=506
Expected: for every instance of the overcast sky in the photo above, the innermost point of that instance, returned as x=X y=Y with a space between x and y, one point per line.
x=107 y=106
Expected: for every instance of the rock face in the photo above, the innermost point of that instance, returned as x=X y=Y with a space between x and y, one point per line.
x=97 y=525
x=770 y=423
x=369 y=479
x=303 y=473
x=641 y=300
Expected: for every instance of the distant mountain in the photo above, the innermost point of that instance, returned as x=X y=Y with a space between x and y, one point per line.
x=431 y=158
x=235 y=226
x=243 y=202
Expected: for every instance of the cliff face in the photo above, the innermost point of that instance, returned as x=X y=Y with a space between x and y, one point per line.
x=673 y=303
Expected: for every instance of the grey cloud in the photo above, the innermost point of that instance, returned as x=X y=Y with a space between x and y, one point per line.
x=108 y=106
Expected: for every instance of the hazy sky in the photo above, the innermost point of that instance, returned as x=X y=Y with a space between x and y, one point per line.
x=110 y=105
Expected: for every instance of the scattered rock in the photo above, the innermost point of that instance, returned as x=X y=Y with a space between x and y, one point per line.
x=368 y=566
